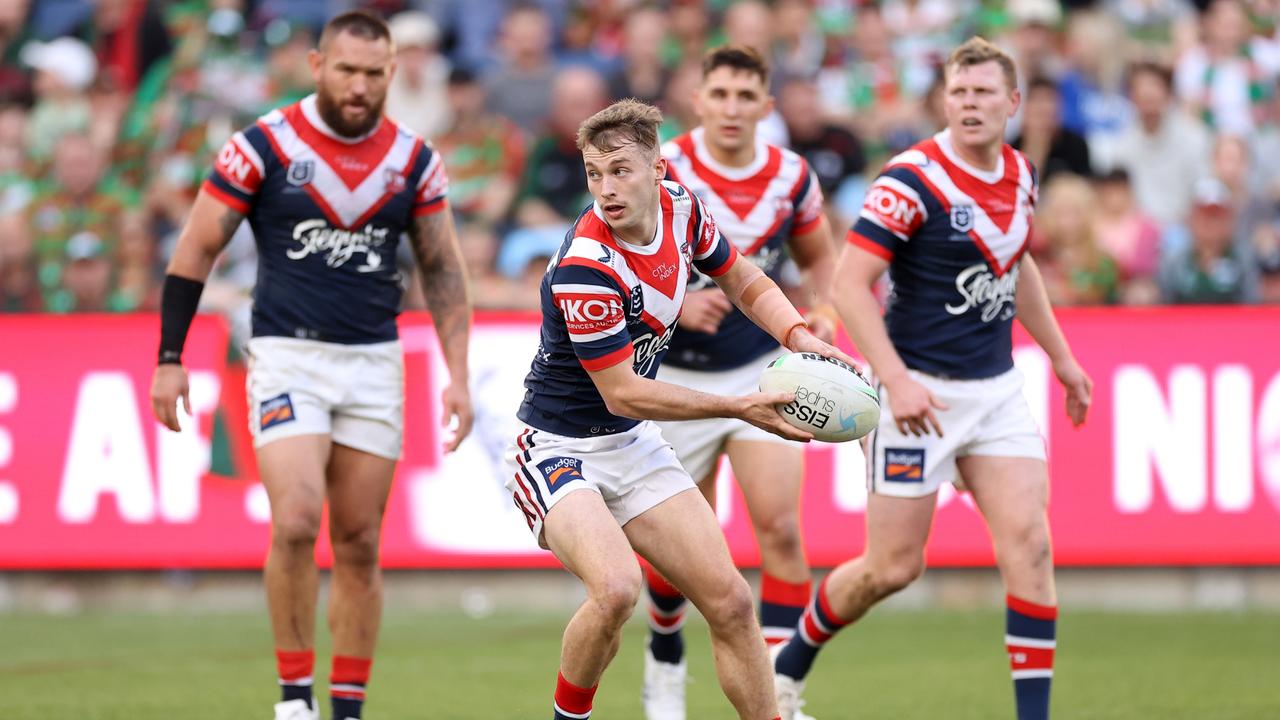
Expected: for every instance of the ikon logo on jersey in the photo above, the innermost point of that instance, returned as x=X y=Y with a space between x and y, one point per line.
x=585 y=313
x=560 y=471
x=904 y=465
x=891 y=209
x=275 y=411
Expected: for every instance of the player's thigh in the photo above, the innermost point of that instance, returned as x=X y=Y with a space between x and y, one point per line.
x=770 y=475
x=682 y=540
x=1013 y=495
x=584 y=536
x=898 y=529
x=292 y=470
x=358 y=485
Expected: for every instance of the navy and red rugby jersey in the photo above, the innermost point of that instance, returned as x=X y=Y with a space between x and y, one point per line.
x=327 y=213
x=953 y=235
x=758 y=208
x=606 y=301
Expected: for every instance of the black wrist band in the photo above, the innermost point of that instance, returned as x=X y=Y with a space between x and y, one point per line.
x=178 y=302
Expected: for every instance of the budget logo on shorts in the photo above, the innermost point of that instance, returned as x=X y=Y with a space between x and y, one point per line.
x=962 y=218
x=560 y=471
x=275 y=411
x=301 y=172
x=904 y=465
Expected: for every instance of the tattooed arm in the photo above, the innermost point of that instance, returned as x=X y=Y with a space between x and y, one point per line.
x=448 y=295
x=208 y=230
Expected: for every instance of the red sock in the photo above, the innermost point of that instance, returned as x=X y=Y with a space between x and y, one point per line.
x=571 y=701
x=346 y=685
x=295 y=666
x=781 y=605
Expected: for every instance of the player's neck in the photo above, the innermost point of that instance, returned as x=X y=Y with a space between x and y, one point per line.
x=983 y=157
x=739 y=158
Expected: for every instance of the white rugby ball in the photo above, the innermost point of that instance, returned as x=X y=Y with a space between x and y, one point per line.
x=832 y=400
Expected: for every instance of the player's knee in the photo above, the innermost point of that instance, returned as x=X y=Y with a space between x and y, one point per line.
x=732 y=608
x=781 y=535
x=295 y=527
x=899 y=572
x=616 y=596
x=357 y=548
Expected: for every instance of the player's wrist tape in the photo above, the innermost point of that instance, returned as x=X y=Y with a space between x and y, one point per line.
x=771 y=309
x=178 y=302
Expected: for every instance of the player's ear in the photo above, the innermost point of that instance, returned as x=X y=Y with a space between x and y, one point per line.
x=1016 y=96
x=315 y=59
x=660 y=169
x=769 y=104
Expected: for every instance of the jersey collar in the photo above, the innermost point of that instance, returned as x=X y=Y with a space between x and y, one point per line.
x=989 y=177
x=698 y=136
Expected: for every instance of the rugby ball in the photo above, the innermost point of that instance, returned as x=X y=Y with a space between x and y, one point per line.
x=832 y=400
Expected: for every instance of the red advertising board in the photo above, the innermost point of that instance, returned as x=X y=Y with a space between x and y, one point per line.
x=1178 y=464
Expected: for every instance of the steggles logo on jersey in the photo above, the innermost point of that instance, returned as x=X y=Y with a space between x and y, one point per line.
x=977 y=285
x=317 y=237
x=648 y=347
x=301 y=172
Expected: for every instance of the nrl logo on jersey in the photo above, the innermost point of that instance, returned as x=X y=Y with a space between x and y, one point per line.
x=301 y=172
x=979 y=287
x=339 y=245
x=962 y=218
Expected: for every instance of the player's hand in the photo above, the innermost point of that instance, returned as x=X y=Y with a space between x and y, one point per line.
x=1078 y=386
x=704 y=309
x=803 y=340
x=822 y=323
x=167 y=385
x=455 y=400
x=760 y=409
x=912 y=406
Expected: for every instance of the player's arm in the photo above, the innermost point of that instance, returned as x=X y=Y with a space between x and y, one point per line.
x=1036 y=315
x=816 y=258
x=855 y=279
x=627 y=394
x=444 y=284
x=761 y=300
x=209 y=228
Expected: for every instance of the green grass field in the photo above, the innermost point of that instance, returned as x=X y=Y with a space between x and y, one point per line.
x=893 y=665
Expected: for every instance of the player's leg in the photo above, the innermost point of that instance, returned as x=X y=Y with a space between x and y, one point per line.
x=897 y=531
x=770 y=475
x=585 y=537
x=1013 y=495
x=682 y=539
x=292 y=471
x=358 y=485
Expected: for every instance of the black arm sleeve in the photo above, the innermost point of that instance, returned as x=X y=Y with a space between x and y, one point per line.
x=178 y=302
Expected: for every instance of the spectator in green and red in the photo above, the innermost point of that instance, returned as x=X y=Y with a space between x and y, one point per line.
x=1211 y=268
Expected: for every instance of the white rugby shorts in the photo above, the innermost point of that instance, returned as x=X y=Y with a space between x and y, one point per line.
x=698 y=443
x=633 y=471
x=352 y=393
x=984 y=417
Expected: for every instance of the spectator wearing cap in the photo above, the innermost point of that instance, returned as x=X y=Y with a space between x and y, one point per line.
x=64 y=70
x=417 y=96
x=1129 y=236
x=1210 y=267
x=1164 y=149
x=1049 y=146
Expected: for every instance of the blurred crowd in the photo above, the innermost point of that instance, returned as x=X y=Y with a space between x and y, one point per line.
x=1155 y=125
